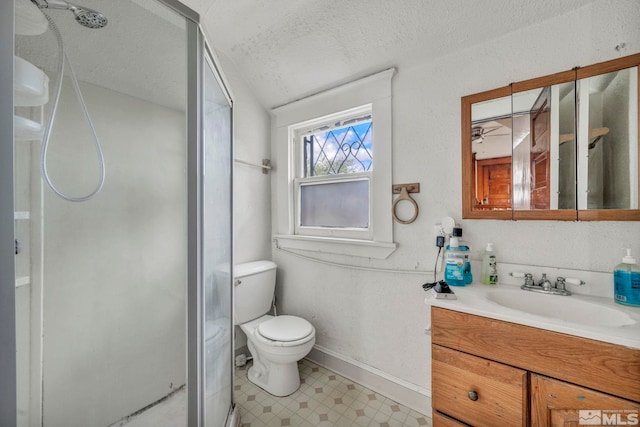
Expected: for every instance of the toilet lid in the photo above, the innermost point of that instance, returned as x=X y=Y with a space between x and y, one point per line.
x=285 y=328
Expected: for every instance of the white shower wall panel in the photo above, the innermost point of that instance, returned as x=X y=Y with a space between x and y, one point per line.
x=115 y=266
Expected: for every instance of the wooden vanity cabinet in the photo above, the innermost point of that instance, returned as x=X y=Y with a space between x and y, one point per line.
x=488 y=372
x=557 y=403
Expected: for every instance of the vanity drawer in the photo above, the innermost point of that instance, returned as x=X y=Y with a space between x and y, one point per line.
x=569 y=358
x=441 y=420
x=478 y=391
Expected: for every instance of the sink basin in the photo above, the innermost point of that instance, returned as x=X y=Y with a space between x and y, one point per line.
x=567 y=308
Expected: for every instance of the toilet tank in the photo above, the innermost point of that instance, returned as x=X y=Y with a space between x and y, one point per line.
x=254 y=284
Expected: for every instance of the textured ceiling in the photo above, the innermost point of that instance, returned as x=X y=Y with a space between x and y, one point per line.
x=288 y=49
x=283 y=49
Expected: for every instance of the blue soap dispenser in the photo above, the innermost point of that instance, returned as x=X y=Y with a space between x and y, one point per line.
x=454 y=260
x=626 y=281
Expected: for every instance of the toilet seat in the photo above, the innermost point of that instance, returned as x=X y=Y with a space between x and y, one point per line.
x=285 y=328
x=284 y=331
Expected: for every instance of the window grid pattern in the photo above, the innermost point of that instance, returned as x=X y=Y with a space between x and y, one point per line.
x=339 y=151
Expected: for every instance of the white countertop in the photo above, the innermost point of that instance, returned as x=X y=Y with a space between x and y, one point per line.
x=474 y=299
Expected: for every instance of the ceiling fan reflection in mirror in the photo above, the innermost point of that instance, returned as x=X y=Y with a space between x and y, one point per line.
x=491 y=138
x=479 y=133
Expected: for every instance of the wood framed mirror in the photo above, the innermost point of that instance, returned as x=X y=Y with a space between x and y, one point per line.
x=521 y=158
x=484 y=114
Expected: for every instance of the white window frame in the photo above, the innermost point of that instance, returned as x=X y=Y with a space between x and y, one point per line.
x=377 y=242
x=297 y=132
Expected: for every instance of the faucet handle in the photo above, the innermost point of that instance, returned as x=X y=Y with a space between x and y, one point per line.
x=560 y=283
x=574 y=281
x=528 y=277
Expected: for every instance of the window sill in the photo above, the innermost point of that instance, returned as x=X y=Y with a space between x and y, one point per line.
x=332 y=245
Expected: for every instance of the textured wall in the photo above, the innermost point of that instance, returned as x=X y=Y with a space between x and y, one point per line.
x=378 y=318
x=251 y=192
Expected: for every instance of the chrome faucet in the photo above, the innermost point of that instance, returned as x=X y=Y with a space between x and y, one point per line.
x=544 y=283
x=545 y=286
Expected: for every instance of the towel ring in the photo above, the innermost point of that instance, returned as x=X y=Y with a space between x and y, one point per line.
x=404 y=195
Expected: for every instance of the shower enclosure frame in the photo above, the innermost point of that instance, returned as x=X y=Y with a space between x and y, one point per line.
x=8 y=416
x=198 y=54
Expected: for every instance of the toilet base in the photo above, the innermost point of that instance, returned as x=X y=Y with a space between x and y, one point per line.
x=275 y=366
x=279 y=379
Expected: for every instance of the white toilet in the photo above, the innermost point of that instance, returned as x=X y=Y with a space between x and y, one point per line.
x=276 y=343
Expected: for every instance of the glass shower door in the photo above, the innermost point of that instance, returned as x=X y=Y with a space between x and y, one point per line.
x=217 y=249
x=101 y=285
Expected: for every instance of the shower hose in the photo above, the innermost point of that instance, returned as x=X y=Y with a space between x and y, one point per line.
x=62 y=56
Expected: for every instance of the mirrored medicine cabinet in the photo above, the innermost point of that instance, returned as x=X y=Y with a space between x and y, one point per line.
x=558 y=147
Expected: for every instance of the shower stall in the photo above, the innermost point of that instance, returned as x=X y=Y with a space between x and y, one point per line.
x=115 y=217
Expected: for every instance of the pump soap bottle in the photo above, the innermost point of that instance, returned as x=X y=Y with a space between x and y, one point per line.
x=626 y=281
x=489 y=275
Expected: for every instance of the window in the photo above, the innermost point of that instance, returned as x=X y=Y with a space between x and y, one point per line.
x=335 y=160
x=334 y=193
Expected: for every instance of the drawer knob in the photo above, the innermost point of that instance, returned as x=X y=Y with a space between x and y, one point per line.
x=473 y=395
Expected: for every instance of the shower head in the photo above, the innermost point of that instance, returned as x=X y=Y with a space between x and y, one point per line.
x=86 y=17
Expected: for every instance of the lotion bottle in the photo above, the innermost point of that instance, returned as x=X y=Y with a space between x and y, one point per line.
x=626 y=281
x=489 y=275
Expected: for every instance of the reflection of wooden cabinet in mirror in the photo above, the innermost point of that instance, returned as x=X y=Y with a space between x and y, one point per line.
x=540 y=143
x=494 y=183
x=490 y=104
x=568 y=160
x=547 y=179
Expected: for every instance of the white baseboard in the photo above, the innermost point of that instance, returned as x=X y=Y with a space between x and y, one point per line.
x=396 y=389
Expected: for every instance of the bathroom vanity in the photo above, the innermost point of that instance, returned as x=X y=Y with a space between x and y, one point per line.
x=492 y=367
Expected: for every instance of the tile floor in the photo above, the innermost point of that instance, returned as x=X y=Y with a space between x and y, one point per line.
x=323 y=399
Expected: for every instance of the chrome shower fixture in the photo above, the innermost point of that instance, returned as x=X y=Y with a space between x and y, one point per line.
x=86 y=17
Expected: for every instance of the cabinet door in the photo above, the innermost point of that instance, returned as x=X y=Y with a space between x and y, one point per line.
x=478 y=391
x=556 y=404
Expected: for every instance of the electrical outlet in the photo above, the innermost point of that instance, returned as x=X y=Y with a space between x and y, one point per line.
x=438 y=230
